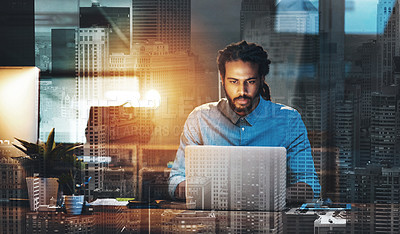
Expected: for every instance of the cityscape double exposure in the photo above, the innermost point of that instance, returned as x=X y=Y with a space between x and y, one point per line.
x=115 y=81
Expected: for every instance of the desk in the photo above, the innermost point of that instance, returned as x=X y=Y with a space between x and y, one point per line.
x=171 y=217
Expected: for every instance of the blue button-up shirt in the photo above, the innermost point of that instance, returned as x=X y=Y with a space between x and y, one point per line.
x=269 y=124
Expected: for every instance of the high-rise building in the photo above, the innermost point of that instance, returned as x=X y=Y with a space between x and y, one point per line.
x=331 y=222
x=91 y=67
x=115 y=180
x=373 y=190
x=58 y=222
x=331 y=32
x=12 y=189
x=331 y=65
x=13 y=185
x=344 y=139
x=153 y=172
x=384 y=127
x=309 y=104
x=153 y=183
x=331 y=75
x=97 y=132
x=288 y=31
x=325 y=220
x=297 y=221
x=369 y=82
x=249 y=221
x=110 y=215
x=257 y=21
x=41 y=191
x=164 y=21
x=173 y=76
x=188 y=221
x=95 y=167
x=238 y=182
x=63 y=52
x=388 y=33
x=296 y=17
x=116 y=19
x=294 y=51
x=12 y=217
x=18 y=33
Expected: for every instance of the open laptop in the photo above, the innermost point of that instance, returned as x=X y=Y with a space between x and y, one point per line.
x=235 y=178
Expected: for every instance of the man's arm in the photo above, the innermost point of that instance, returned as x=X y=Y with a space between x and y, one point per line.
x=190 y=136
x=300 y=161
x=177 y=175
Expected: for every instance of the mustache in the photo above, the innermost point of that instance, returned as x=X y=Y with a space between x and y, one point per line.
x=242 y=97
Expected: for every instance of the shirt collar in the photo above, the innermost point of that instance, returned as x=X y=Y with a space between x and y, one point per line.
x=223 y=106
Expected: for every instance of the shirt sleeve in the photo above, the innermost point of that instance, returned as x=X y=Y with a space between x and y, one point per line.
x=190 y=136
x=300 y=161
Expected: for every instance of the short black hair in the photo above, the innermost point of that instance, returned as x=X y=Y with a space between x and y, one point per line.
x=246 y=52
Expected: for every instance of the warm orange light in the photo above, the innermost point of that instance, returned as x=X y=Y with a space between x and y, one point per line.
x=152 y=99
x=119 y=97
x=19 y=93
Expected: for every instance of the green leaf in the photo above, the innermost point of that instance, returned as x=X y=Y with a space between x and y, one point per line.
x=30 y=148
x=50 y=143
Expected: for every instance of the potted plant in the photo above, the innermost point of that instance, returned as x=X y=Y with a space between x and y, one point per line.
x=74 y=201
x=48 y=162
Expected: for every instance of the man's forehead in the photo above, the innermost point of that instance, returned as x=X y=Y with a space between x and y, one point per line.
x=241 y=68
x=243 y=61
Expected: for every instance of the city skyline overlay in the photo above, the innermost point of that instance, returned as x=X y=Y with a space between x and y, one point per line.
x=121 y=78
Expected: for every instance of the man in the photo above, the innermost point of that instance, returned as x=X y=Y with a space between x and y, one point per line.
x=246 y=117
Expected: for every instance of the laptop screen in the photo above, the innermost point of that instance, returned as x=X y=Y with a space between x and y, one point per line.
x=235 y=178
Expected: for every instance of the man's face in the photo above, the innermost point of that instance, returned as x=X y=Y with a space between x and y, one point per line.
x=242 y=86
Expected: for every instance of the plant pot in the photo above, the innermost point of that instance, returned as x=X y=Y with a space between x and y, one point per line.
x=73 y=204
x=41 y=191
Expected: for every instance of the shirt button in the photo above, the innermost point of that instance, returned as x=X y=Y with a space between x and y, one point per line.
x=242 y=129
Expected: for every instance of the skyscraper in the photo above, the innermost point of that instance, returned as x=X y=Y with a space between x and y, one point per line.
x=257 y=21
x=344 y=136
x=91 y=67
x=293 y=16
x=389 y=45
x=254 y=182
x=373 y=190
x=165 y=21
x=384 y=127
x=58 y=222
x=331 y=68
x=12 y=217
x=12 y=179
x=370 y=82
x=63 y=52
x=95 y=167
x=288 y=31
x=331 y=72
x=115 y=19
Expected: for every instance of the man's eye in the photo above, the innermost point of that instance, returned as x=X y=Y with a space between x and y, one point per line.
x=233 y=81
x=251 y=81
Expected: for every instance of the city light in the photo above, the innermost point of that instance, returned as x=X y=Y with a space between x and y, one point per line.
x=152 y=99
x=119 y=97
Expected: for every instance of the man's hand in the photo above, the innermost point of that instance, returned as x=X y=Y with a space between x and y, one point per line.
x=180 y=191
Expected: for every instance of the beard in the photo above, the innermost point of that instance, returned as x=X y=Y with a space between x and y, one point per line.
x=237 y=105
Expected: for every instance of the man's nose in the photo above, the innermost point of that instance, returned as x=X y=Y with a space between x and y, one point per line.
x=242 y=89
